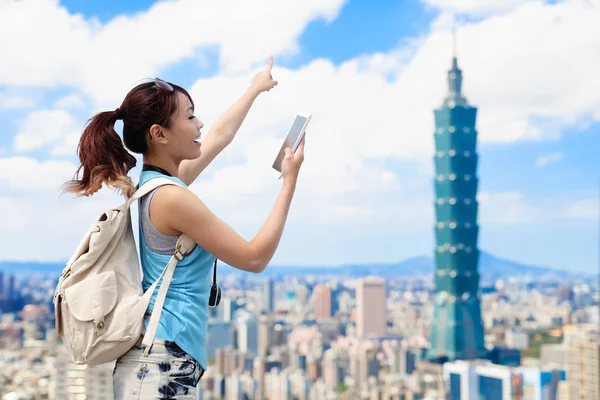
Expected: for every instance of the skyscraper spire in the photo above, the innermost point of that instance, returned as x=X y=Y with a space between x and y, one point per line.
x=454 y=42
x=455 y=96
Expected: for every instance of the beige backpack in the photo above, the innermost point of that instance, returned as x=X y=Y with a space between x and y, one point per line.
x=99 y=303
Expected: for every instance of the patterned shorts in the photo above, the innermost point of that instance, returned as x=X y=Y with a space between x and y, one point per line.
x=168 y=373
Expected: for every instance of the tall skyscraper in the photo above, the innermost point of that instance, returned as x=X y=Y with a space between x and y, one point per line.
x=457 y=331
x=265 y=328
x=247 y=333
x=371 y=307
x=268 y=296
x=11 y=287
x=322 y=301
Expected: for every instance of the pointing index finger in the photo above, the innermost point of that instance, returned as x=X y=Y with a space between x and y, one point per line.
x=270 y=66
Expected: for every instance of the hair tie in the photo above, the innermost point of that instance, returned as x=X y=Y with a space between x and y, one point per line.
x=118 y=113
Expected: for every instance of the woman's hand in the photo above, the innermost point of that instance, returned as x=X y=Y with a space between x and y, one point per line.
x=263 y=81
x=290 y=166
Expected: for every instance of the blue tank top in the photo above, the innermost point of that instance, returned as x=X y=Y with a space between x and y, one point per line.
x=185 y=312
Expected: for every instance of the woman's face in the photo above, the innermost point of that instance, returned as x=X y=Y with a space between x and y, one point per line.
x=184 y=131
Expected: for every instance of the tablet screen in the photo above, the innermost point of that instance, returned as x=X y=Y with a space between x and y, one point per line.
x=292 y=140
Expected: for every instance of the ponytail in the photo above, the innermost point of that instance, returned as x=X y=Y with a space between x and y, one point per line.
x=103 y=159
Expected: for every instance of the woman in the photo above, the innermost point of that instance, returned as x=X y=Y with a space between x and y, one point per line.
x=159 y=122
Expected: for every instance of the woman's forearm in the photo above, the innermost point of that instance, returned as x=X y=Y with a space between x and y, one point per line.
x=229 y=123
x=267 y=239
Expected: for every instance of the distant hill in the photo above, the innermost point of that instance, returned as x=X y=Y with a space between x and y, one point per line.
x=489 y=267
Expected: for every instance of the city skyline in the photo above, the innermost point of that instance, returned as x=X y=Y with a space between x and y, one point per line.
x=365 y=176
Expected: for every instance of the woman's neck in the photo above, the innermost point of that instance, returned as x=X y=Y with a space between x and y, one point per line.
x=161 y=162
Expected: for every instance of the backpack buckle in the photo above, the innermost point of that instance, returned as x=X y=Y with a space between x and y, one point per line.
x=178 y=254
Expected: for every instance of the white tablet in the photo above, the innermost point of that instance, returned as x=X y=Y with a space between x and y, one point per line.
x=294 y=136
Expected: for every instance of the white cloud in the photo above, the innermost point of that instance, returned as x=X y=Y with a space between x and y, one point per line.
x=23 y=173
x=511 y=208
x=50 y=225
x=514 y=208
x=8 y=102
x=584 y=209
x=42 y=128
x=477 y=7
x=71 y=101
x=107 y=59
x=549 y=159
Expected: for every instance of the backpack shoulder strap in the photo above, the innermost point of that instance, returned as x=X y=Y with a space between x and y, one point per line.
x=184 y=245
x=149 y=186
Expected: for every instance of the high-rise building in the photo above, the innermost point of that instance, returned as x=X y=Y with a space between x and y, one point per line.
x=542 y=384
x=322 y=301
x=371 y=307
x=457 y=331
x=227 y=309
x=11 y=287
x=265 y=328
x=583 y=366
x=73 y=382
x=247 y=333
x=268 y=295
x=480 y=379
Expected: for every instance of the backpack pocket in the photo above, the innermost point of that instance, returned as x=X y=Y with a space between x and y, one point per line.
x=90 y=301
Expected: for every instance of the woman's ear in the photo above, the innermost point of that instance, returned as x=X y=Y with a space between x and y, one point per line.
x=157 y=134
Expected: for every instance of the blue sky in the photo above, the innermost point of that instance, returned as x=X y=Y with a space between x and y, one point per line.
x=372 y=73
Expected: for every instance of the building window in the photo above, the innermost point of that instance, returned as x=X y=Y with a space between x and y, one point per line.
x=452 y=153
x=467 y=177
x=451 y=129
x=467 y=202
x=440 y=154
x=453 y=274
x=441 y=272
x=467 y=225
x=452 y=201
x=452 y=177
x=455 y=393
x=467 y=153
x=467 y=273
x=468 y=249
x=490 y=388
x=440 y=202
x=440 y=130
x=452 y=249
x=452 y=225
x=466 y=129
x=460 y=246
x=440 y=225
x=440 y=178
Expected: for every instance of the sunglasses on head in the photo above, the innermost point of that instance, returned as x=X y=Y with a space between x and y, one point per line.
x=163 y=85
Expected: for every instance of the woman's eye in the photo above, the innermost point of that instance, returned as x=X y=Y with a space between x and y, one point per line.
x=192 y=117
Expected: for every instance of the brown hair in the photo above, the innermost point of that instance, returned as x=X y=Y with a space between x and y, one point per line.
x=103 y=157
